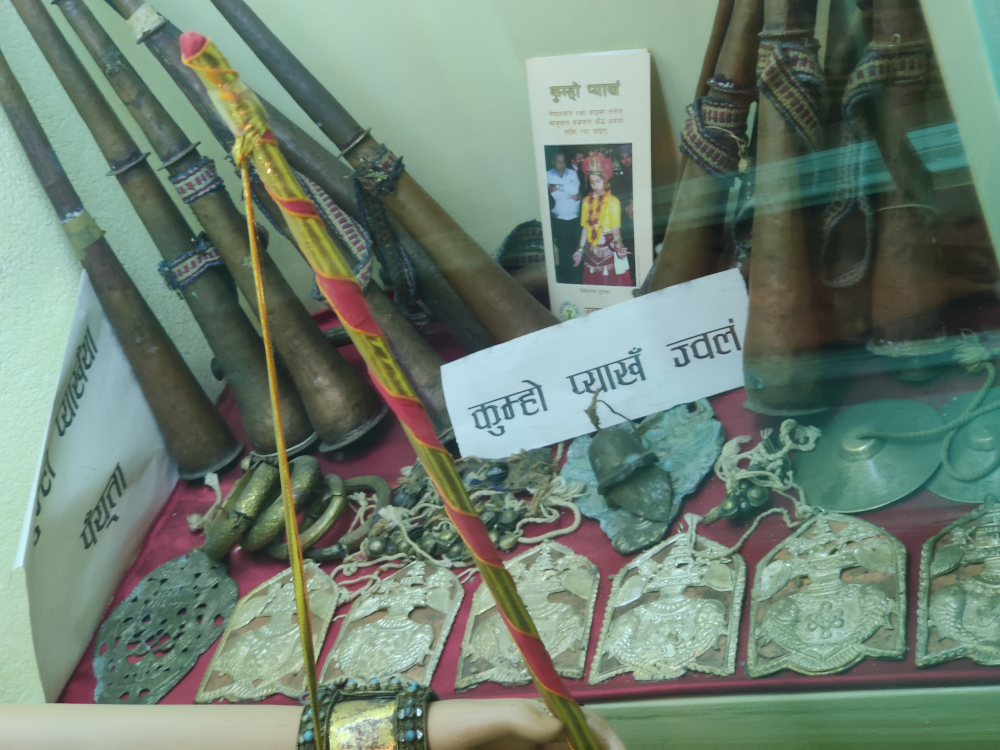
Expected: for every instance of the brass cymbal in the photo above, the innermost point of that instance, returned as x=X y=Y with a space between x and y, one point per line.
x=972 y=450
x=850 y=474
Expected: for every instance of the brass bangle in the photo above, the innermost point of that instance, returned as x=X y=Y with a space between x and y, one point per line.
x=250 y=493
x=352 y=540
x=376 y=716
x=306 y=478
x=314 y=526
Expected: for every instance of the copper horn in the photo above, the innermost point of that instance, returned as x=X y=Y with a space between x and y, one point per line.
x=781 y=368
x=195 y=433
x=418 y=358
x=502 y=305
x=422 y=363
x=711 y=145
x=908 y=292
x=310 y=159
x=341 y=405
x=720 y=27
x=845 y=291
x=210 y=295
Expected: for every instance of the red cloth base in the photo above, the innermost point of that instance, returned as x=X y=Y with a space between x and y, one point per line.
x=913 y=521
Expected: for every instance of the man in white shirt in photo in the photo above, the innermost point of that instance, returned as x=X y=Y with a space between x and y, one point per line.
x=564 y=189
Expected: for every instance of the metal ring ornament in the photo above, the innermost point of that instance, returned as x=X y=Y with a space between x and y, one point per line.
x=313 y=528
x=306 y=479
x=351 y=541
x=253 y=491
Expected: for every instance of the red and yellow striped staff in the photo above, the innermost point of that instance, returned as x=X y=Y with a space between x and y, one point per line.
x=255 y=142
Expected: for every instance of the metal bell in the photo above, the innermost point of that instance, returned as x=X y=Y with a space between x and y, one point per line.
x=628 y=476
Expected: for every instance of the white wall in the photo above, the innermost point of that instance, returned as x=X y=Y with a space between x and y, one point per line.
x=442 y=82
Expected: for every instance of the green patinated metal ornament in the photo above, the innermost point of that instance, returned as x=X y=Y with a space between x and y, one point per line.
x=628 y=476
x=155 y=636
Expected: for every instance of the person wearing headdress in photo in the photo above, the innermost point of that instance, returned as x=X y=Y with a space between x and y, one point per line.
x=601 y=250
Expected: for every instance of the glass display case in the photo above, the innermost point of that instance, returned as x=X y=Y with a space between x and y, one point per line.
x=658 y=377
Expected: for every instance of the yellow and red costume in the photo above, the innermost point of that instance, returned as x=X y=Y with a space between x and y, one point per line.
x=599 y=216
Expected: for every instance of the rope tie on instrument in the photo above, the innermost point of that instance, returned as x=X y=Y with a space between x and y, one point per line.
x=714 y=136
x=742 y=229
x=198 y=181
x=523 y=246
x=767 y=468
x=350 y=232
x=375 y=179
x=975 y=358
x=187 y=267
x=790 y=77
x=895 y=64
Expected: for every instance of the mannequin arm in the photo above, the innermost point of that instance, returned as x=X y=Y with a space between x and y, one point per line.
x=451 y=725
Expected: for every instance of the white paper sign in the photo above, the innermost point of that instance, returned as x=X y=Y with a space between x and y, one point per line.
x=103 y=475
x=670 y=347
x=594 y=105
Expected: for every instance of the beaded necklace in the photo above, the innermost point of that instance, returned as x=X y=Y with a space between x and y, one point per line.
x=594 y=217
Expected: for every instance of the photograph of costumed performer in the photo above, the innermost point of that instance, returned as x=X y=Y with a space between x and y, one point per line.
x=602 y=252
x=564 y=212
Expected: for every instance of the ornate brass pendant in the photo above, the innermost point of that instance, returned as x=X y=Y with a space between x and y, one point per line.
x=958 y=610
x=260 y=653
x=397 y=629
x=673 y=609
x=155 y=636
x=559 y=587
x=828 y=596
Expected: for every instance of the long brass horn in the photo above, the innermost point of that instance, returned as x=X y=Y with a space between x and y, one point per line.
x=191 y=263
x=781 y=365
x=340 y=403
x=908 y=274
x=195 y=433
x=712 y=141
x=502 y=305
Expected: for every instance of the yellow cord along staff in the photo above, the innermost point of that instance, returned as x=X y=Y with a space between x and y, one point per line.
x=254 y=141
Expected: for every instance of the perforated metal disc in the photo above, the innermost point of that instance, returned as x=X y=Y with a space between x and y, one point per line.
x=850 y=474
x=973 y=448
x=155 y=636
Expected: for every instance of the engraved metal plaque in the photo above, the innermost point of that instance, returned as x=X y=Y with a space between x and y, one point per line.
x=958 y=609
x=559 y=588
x=260 y=653
x=673 y=609
x=398 y=628
x=828 y=596
x=155 y=636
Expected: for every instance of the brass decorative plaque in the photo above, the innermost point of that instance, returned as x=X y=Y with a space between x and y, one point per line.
x=397 y=629
x=260 y=653
x=831 y=594
x=958 y=610
x=675 y=608
x=559 y=588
